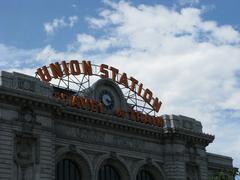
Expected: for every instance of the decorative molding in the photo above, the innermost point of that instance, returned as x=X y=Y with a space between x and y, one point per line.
x=26 y=148
x=26 y=84
x=72 y=148
x=149 y=161
x=113 y=155
x=105 y=121
x=26 y=155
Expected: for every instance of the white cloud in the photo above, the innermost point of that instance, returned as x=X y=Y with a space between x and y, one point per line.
x=190 y=63
x=87 y=43
x=14 y=58
x=51 y=27
x=72 y=20
x=188 y=2
x=49 y=54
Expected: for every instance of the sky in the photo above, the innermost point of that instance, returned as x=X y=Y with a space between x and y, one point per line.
x=186 y=51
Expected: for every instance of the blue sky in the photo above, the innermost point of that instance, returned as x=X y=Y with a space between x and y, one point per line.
x=190 y=50
x=22 y=21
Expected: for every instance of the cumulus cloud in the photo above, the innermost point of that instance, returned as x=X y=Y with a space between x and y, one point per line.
x=189 y=62
x=51 y=27
x=72 y=20
x=188 y=2
x=15 y=58
x=49 y=54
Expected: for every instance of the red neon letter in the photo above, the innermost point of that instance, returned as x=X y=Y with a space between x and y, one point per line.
x=75 y=68
x=156 y=104
x=87 y=67
x=133 y=84
x=147 y=96
x=114 y=72
x=123 y=80
x=103 y=69
x=44 y=74
x=56 y=70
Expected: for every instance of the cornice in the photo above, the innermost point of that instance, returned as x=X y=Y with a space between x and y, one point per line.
x=105 y=121
x=21 y=98
x=219 y=166
x=189 y=136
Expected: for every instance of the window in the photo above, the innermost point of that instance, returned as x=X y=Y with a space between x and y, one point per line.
x=144 y=175
x=107 y=172
x=192 y=172
x=67 y=170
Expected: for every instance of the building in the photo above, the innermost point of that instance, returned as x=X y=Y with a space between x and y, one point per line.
x=43 y=138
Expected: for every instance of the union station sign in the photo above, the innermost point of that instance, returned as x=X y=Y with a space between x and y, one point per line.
x=74 y=76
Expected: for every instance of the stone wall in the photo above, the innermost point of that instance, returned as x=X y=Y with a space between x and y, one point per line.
x=37 y=131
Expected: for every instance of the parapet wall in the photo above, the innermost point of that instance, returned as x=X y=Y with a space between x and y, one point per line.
x=182 y=122
x=24 y=82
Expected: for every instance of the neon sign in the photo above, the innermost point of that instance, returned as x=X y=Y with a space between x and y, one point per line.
x=94 y=106
x=74 y=68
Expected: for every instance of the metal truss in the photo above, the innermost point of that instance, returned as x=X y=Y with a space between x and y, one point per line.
x=82 y=82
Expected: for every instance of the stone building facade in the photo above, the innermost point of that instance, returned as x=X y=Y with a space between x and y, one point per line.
x=41 y=138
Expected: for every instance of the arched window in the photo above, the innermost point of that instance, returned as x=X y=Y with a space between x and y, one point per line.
x=107 y=172
x=144 y=175
x=67 y=170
